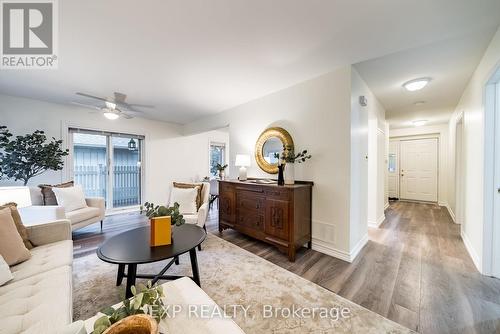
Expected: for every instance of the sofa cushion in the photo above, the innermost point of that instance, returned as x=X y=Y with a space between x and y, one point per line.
x=5 y=273
x=45 y=258
x=38 y=304
x=49 y=198
x=19 y=223
x=82 y=214
x=12 y=247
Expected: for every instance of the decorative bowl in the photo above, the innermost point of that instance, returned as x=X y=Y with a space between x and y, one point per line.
x=134 y=324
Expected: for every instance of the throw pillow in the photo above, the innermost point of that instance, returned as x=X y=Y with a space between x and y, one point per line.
x=49 y=198
x=19 y=223
x=71 y=198
x=199 y=199
x=12 y=247
x=5 y=273
x=186 y=197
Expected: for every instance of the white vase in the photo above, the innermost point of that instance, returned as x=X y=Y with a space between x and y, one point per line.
x=289 y=173
x=222 y=174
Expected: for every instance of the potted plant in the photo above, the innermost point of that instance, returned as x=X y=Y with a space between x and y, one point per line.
x=139 y=314
x=161 y=219
x=288 y=159
x=221 y=169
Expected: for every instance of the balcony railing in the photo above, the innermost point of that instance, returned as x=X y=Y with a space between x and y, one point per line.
x=126 y=183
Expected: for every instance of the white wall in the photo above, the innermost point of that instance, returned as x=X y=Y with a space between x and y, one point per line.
x=476 y=123
x=374 y=147
x=317 y=113
x=441 y=131
x=168 y=155
x=359 y=162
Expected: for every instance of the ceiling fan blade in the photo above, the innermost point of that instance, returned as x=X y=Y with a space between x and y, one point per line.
x=140 y=105
x=85 y=105
x=120 y=97
x=91 y=96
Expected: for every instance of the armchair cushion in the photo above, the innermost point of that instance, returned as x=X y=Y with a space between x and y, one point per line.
x=49 y=198
x=82 y=214
x=70 y=198
x=199 y=199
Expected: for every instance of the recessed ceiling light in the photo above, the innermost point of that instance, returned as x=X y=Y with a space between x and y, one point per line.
x=110 y=115
x=419 y=103
x=416 y=84
x=419 y=123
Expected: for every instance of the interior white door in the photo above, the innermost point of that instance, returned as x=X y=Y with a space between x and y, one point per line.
x=393 y=169
x=419 y=169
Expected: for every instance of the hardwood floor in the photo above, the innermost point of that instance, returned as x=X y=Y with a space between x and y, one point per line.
x=415 y=269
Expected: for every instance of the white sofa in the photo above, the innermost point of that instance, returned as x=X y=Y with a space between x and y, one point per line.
x=32 y=210
x=184 y=292
x=38 y=299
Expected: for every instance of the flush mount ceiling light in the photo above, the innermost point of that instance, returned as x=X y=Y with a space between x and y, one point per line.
x=419 y=122
x=416 y=84
x=109 y=114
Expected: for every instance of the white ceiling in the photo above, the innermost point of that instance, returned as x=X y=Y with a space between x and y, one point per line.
x=449 y=63
x=192 y=58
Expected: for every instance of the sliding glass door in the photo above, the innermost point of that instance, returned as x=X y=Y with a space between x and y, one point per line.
x=108 y=165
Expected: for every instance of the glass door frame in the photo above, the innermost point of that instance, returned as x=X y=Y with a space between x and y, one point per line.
x=110 y=209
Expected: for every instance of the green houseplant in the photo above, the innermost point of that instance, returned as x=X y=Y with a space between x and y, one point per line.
x=146 y=300
x=289 y=158
x=24 y=157
x=152 y=211
x=222 y=170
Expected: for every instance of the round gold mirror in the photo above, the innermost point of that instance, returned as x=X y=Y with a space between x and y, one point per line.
x=269 y=147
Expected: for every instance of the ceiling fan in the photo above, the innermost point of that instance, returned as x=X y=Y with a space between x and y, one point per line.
x=113 y=108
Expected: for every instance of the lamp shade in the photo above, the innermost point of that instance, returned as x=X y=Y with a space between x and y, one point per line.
x=242 y=160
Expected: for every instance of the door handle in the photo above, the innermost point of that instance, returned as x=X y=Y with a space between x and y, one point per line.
x=404 y=175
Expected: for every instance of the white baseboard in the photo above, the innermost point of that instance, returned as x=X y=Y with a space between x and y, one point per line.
x=325 y=248
x=386 y=206
x=376 y=224
x=452 y=214
x=475 y=258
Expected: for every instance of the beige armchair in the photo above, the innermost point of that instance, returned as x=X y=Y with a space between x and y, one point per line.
x=200 y=218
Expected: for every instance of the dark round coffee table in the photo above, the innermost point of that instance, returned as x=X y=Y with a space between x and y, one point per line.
x=132 y=247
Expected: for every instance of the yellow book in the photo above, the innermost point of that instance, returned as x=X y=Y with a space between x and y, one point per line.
x=161 y=228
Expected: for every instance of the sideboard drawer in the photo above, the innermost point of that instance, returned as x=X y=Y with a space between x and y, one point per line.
x=280 y=194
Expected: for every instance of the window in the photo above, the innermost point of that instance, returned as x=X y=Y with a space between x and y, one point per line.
x=108 y=165
x=392 y=163
x=217 y=156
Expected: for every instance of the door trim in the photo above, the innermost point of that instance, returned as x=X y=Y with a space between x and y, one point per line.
x=421 y=137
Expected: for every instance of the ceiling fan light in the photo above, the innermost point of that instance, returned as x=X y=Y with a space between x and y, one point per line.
x=416 y=84
x=419 y=123
x=110 y=115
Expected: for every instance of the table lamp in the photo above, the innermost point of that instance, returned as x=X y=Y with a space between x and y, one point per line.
x=242 y=161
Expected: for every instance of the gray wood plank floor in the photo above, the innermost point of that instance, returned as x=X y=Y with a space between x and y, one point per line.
x=415 y=269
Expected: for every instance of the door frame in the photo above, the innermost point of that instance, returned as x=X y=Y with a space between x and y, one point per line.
x=458 y=215
x=418 y=137
x=491 y=207
x=68 y=160
x=398 y=169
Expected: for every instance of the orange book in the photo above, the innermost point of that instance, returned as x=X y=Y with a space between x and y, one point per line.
x=161 y=228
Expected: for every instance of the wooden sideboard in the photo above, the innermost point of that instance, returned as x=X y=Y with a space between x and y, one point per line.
x=279 y=215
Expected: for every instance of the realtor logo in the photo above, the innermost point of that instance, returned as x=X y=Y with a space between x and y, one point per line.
x=28 y=34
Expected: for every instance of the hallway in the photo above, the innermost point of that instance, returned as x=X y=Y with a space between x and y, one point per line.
x=415 y=270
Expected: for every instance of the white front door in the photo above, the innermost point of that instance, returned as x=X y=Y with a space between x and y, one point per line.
x=393 y=169
x=419 y=169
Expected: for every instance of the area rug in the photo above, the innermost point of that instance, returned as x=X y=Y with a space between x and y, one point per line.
x=275 y=299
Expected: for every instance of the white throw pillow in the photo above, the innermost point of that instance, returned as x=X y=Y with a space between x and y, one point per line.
x=5 y=273
x=186 y=197
x=71 y=198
